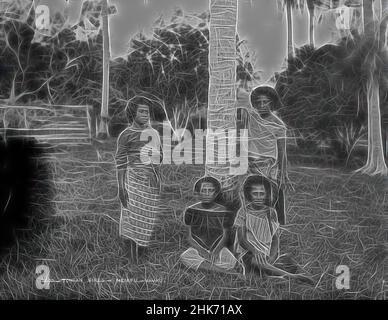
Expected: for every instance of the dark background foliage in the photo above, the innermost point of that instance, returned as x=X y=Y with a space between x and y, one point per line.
x=324 y=99
x=170 y=65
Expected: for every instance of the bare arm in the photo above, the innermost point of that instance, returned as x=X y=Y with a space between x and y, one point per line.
x=222 y=243
x=121 y=165
x=274 y=251
x=187 y=217
x=239 y=223
x=282 y=159
x=121 y=187
x=242 y=239
x=227 y=229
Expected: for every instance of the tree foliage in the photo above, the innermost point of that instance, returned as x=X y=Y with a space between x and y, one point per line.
x=25 y=65
x=323 y=93
x=170 y=65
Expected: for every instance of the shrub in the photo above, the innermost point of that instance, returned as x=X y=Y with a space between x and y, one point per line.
x=322 y=101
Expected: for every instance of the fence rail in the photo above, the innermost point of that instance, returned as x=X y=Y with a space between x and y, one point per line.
x=53 y=124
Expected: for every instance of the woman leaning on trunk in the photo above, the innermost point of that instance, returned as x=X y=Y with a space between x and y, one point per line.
x=267 y=154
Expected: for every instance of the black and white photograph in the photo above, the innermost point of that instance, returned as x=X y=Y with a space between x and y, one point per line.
x=214 y=150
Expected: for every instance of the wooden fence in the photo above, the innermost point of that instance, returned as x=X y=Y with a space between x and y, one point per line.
x=52 y=124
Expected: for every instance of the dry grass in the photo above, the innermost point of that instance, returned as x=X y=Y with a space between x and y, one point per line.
x=334 y=218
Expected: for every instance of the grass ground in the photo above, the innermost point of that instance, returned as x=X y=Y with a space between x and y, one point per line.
x=334 y=218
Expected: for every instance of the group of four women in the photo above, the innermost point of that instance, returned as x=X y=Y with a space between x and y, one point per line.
x=139 y=182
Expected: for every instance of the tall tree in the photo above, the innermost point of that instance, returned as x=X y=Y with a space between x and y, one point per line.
x=384 y=50
x=66 y=11
x=290 y=28
x=103 y=127
x=384 y=23
x=288 y=6
x=311 y=9
x=25 y=65
x=317 y=74
x=222 y=88
x=375 y=162
x=171 y=64
x=90 y=30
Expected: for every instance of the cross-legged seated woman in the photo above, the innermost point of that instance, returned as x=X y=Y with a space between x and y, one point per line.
x=209 y=225
x=257 y=230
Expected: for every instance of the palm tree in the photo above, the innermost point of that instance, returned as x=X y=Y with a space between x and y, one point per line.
x=289 y=5
x=103 y=127
x=384 y=22
x=311 y=9
x=324 y=5
x=290 y=28
x=384 y=49
x=375 y=162
x=66 y=11
x=221 y=112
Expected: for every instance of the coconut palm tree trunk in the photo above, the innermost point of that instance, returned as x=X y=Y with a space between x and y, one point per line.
x=311 y=9
x=221 y=114
x=375 y=162
x=290 y=30
x=103 y=127
x=384 y=47
x=383 y=23
x=66 y=11
x=369 y=22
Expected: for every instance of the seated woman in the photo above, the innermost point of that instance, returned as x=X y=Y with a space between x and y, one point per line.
x=257 y=230
x=209 y=225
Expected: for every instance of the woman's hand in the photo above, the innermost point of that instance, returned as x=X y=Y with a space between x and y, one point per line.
x=242 y=95
x=202 y=252
x=123 y=196
x=215 y=254
x=243 y=241
x=284 y=180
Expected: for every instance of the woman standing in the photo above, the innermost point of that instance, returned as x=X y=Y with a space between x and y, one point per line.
x=267 y=140
x=137 y=177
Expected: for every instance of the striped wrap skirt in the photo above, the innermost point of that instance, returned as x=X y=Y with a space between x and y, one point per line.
x=139 y=219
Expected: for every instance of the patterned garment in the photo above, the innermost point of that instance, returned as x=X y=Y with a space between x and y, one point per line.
x=266 y=167
x=207 y=225
x=134 y=149
x=263 y=135
x=139 y=218
x=263 y=154
x=260 y=226
x=206 y=228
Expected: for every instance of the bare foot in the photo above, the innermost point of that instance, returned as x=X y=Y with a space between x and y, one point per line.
x=286 y=263
x=304 y=279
